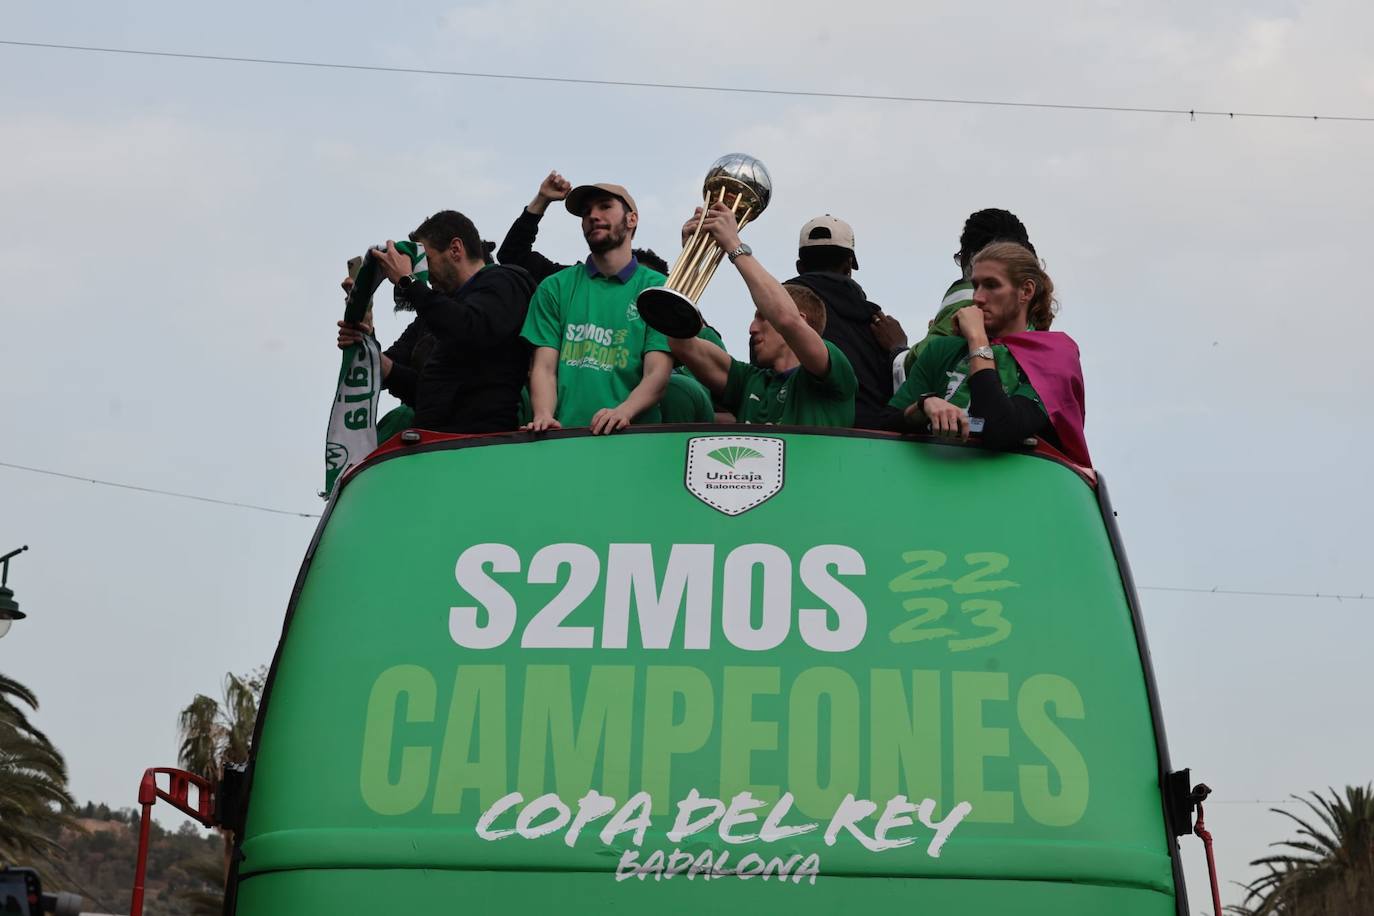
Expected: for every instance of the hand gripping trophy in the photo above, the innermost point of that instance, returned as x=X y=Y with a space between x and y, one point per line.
x=739 y=182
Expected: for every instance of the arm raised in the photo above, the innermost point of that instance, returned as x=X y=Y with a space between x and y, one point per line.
x=708 y=363
x=772 y=301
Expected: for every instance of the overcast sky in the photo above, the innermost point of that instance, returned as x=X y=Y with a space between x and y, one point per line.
x=172 y=234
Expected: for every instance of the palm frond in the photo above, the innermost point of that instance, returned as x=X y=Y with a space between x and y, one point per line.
x=1327 y=868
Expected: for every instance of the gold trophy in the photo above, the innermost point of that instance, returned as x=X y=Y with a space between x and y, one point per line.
x=743 y=184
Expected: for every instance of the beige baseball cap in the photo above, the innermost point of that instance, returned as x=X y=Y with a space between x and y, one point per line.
x=828 y=230
x=578 y=196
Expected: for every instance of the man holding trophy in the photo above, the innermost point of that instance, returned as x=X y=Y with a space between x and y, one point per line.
x=801 y=378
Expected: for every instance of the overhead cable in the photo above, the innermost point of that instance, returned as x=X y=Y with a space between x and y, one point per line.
x=129 y=486
x=1231 y=591
x=1192 y=113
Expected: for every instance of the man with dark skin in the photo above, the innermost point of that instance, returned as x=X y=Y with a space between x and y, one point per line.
x=982 y=228
x=867 y=336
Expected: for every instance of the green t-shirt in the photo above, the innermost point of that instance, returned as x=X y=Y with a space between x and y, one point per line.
x=959 y=294
x=686 y=401
x=795 y=397
x=601 y=340
x=942 y=369
x=708 y=334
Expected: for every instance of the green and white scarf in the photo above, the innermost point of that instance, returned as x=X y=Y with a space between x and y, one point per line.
x=352 y=433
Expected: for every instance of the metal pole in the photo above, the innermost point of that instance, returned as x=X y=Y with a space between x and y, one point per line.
x=147 y=794
x=5 y=564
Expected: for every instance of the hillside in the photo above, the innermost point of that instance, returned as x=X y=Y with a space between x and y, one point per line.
x=184 y=866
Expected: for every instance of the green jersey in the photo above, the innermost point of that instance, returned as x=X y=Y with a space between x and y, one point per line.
x=795 y=397
x=711 y=335
x=708 y=334
x=942 y=369
x=959 y=294
x=686 y=400
x=592 y=321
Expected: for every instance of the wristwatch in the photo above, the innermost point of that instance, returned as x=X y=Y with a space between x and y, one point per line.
x=983 y=351
x=403 y=284
x=739 y=252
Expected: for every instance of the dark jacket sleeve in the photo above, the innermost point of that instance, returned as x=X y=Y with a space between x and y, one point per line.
x=1006 y=420
x=891 y=419
x=517 y=247
x=487 y=313
x=401 y=381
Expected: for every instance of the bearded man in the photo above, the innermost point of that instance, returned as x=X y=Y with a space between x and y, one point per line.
x=596 y=363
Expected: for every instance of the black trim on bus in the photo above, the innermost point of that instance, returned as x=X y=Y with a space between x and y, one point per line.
x=710 y=429
x=232 y=883
x=1173 y=830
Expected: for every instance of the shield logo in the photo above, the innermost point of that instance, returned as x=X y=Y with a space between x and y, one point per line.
x=733 y=474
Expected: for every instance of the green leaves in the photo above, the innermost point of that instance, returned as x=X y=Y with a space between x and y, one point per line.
x=34 y=803
x=215 y=732
x=1328 y=868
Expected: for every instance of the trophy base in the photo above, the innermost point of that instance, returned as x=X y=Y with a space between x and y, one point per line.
x=670 y=312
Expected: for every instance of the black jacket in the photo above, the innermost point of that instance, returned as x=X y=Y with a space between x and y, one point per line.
x=849 y=326
x=477 y=363
x=408 y=356
x=517 y=248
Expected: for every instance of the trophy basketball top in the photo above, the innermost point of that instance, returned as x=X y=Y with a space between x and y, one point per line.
x=743 y=175
x=743 y=184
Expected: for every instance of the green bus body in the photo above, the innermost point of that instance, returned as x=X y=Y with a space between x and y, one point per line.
x=689 y=670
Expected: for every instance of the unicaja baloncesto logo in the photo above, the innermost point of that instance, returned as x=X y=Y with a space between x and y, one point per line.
x=730 y=455
x=733 y=474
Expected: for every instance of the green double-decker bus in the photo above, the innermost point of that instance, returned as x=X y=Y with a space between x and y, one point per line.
x=686 y=670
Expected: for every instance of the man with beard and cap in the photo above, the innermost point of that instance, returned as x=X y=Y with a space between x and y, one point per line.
x=825 y=263
x=596 y=363
x=518 y=246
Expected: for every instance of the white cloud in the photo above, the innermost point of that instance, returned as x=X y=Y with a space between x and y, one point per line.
x=1262 y=45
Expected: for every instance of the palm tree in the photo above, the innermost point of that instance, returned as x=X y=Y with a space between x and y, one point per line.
x=214 y=733
x=1328 y=869
x=34 y=803
x=217 y=732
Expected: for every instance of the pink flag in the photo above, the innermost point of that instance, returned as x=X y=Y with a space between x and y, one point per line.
x=1050 y=361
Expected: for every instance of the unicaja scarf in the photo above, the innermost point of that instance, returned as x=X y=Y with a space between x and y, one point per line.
x=352 y=433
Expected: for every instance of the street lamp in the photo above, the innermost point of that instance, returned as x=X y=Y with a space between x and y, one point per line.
x=9 y=608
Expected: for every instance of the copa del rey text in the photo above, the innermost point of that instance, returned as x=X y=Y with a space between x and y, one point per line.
x=735 y=824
